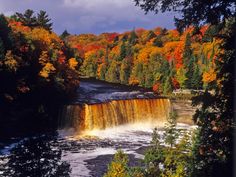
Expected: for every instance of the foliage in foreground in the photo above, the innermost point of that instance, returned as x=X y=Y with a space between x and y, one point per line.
x=168 y=156
x=37 y=72
x=213 y=152
x=36 y=157
x=118 y=167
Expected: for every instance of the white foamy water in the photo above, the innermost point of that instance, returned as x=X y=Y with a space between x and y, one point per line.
x=77 y=160
x=129 y=138
x=104 y=142
x=90 y=153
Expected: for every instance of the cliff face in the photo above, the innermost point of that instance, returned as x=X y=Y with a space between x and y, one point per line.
x=184 y=110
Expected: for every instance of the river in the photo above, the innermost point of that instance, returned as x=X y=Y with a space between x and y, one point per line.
x=102 y=119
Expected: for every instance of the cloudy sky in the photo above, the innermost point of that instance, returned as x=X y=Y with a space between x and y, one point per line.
x=91 y=16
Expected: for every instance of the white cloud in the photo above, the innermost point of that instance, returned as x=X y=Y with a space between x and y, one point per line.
x=90 y=4
x=90 y=16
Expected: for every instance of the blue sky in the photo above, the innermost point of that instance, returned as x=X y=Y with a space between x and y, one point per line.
x=91 y=16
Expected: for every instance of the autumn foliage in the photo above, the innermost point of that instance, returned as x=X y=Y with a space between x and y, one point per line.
x=149 y=57
x=37 y=72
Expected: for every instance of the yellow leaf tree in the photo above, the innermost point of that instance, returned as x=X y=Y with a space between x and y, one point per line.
x=73 y=63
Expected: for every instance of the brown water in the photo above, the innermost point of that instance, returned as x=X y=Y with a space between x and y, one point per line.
x=117 y=112
x=102 y=119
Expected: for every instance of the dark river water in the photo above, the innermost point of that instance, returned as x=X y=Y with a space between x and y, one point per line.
x=67 y=153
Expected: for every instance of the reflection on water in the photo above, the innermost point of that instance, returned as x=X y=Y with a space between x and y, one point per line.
x=35 y=157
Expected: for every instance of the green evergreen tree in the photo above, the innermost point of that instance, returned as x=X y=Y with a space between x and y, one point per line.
x=137 y=72
x=215 y=118
x=89 y=68
x=190 y=73
x=163 y=31
x=149 y=75
x=125 y=72
x=106 y=54
x=112 y=74
x=204 y=59
x=164 y=69
x=151 y=35
x=155 y=155
x=158 y=41
x=28 y=18
x=124 y=38
x=129 y=52
x=103 y=72
x=116 y=40
x=44 y=21
x=167 y=86
x=133 y=38
x=122 y=51
x=181 y=77
x=171 y=133
x=214 y=151
x=5 y=33
x=197 y=78
x=210 y=33
x=187 y=53
x=140 y=74
x=173 y=158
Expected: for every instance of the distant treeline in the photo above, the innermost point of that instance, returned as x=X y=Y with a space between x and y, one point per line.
x=159 y=58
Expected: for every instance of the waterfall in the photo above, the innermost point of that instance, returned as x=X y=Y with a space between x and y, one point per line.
x=116 y=112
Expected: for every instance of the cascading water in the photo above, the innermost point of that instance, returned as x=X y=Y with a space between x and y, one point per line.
x=106 y=117
x=113 y=113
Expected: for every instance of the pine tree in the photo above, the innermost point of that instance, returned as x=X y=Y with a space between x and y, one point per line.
x=140 y=74
x=167 y=86
x=43 y=21
x=112 y=74
x=197 y=78
x=164 y=69
x=129 y=52
x=187 y=50
x=64 y=34
x=103 y=72
x=124 y=38
x=122 y=51
x=151 y=35
x=170 y=132
x=133 y=38
x=5 y=33
x=149 y=77
x=210 y=33
x=158 y=42
x=215 y=117
x=189 y=73
x=124 y=71
x=181 y=77
x=89 y=67
x=28 y=18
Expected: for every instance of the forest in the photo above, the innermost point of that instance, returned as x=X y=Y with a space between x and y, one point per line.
x=37 y=73
x=40 y=72
x=161 y=59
